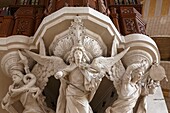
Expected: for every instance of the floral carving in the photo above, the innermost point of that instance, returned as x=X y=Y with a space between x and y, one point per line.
x=130 y=25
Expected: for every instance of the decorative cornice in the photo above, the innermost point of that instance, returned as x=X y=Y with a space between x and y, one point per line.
x=135 y=56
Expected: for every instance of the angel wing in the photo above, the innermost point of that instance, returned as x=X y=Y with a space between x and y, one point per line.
x=106 y=63
x=46 y=66
x=112 y=67
x=118 y=71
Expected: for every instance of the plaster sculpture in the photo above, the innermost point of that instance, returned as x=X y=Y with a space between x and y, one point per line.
x=135 y=82
x=23 y=89
x=130 y=89
x=78 y=60
x=80 y=71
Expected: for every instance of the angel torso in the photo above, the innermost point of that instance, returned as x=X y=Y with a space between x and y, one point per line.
x=76 y=77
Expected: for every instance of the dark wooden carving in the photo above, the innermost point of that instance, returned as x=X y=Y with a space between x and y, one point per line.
x=131 y=21
x=27 y=2
x=129 y=26
x=93 y=4
x=76 y=3
x=39 y=17
x=60 y=4
x=115 y=17
x=117 y=13
x=6 y=25
x=24 y=21
x=141 y=26
x=119 y=3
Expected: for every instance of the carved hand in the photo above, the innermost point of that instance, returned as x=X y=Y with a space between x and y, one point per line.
x=36 y=91
x=5 y=99
x=10 y=89
x=59 y=75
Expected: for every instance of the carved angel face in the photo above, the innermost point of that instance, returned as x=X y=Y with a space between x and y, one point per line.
x=78 y=55
x=17 y=76
x=16 y=79
x=137 y=75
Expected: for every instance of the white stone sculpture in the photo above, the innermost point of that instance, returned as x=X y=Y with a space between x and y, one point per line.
x=136 y=82
x=79 y=51
x=150 y=83
x=80 y=69
x=24 y=90
x=129 y=88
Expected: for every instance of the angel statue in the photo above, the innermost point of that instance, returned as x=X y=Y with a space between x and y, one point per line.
x=128 y=86
x=79 y=76
x=24 y=90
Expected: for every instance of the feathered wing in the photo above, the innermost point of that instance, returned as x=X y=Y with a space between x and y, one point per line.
x=46 y=66
x=106 y=63
x=118 y=71
x=112 y=67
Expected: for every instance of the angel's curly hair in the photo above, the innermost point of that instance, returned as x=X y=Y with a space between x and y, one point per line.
x=142 y=66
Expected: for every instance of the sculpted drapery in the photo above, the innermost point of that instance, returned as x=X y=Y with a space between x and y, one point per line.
x=79 y=62
x=80 y=69
x=24 y=90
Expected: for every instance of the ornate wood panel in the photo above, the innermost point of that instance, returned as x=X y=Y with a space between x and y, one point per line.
x=131 y=21
x=6 y=25
x=24 y=21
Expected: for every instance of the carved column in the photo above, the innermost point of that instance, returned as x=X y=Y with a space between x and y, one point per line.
x=24 y=21
x=131 y=21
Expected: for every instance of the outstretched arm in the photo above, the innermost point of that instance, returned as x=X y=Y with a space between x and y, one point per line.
x=6 y=101
x=36 y=91
x=60 y=74
x=65 y=71
x=128 y=88
x=29 y=80
x=24 y=60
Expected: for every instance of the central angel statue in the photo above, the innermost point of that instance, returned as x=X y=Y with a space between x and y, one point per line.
x=79 y=80
x=79 y=71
